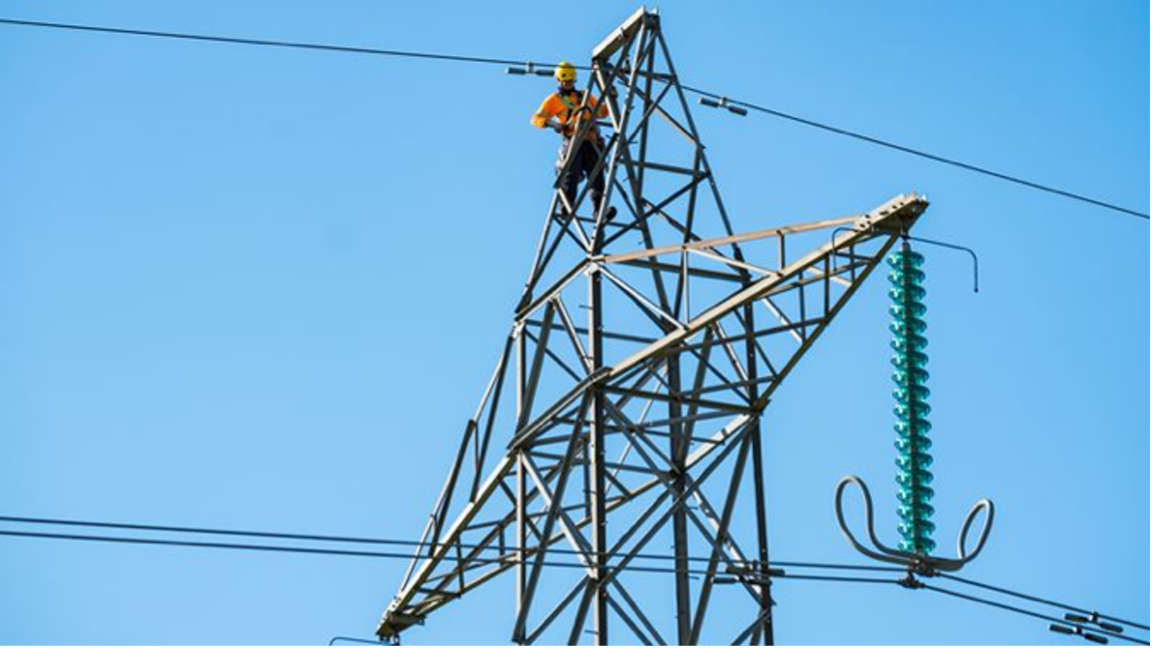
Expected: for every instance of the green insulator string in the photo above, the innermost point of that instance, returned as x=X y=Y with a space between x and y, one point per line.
x=910 y=376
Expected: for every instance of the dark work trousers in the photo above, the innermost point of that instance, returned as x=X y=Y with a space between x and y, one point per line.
x=585 y=160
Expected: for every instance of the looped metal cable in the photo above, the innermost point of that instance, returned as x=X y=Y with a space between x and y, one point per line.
x=924 y=564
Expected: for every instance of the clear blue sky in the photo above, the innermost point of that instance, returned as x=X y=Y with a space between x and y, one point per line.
x=263 y=289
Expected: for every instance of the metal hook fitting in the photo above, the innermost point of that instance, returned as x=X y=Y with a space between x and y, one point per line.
x=909 y=237
x=952 y=247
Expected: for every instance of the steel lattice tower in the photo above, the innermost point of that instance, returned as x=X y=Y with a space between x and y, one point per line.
x=614 y=465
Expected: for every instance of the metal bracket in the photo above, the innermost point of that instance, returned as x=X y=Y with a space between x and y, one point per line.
x=723 y=102
x=531 y=69
x=1079 y=630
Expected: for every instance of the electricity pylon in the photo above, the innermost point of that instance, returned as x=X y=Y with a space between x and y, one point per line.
x=617 y=450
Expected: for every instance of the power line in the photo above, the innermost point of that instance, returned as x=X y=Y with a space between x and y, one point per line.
x=345 y=539
x=1043 y=601
x=212 y=531
x=499 y=61
x=923 y=154
x=385 y=541
x=486 y=561
x=346 y=49
x=216 y=545
x=396 y=556
x=1024 y=612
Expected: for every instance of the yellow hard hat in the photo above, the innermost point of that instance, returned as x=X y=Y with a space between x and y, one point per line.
x=565 y=72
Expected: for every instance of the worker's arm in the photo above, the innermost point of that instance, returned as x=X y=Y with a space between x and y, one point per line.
x=549 y=110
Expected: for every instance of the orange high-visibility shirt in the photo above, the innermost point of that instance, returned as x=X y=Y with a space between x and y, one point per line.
x=567 y=113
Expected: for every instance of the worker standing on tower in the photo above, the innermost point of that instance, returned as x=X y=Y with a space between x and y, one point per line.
x=563 y=112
